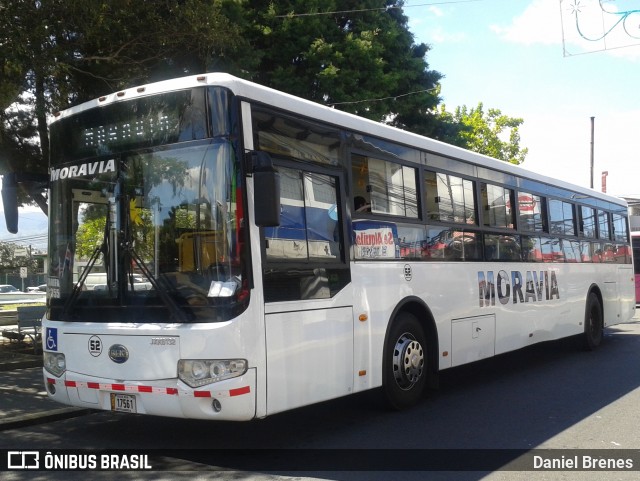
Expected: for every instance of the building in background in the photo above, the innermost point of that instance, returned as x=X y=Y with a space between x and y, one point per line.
x=634 y=212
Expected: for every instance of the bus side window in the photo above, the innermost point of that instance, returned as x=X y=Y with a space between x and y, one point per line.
x=304 y=253
x=496 y=205
x=389 y=187
x=502 y=247
x=449 y=198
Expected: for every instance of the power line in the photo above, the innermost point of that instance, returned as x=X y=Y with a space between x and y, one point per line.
x=383 y=98
x=29 y=238
x=380 y=9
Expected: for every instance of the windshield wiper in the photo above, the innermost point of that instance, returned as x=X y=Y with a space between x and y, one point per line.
x=178 y=313
x=127 y=246
x=77 y=287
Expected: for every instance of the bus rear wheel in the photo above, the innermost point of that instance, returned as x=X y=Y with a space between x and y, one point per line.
x=593 y=323
x=405 y=362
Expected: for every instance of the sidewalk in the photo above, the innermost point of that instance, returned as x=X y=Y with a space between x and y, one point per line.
x=23 y=399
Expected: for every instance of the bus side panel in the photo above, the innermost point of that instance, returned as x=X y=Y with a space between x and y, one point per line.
x=527 y=303
x=473 y=338
x=309 y=357
x=378 y=287
x=619 y=299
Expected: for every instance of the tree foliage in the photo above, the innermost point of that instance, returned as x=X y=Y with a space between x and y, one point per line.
x=361 y=59
x=490 y=133
x=90 y=236
x=64 y=52
x=356 y=55
x=10 y=264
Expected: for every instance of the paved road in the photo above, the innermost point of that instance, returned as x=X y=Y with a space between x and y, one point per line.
x=548 y=396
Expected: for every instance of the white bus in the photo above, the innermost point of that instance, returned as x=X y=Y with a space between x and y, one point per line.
x=298 y=253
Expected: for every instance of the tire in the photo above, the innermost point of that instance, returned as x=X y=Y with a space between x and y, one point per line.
x=405 y=362
x=593 y=323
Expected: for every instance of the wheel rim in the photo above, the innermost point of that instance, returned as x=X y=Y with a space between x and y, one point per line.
x=408 y=361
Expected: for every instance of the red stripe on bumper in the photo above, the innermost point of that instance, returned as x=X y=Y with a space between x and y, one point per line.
x=240 y=391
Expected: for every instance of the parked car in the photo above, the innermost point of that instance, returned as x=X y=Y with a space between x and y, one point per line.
x=98 y=282
x=37 y=289
x=7 y=288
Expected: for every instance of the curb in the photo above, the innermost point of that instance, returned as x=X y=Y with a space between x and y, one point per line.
x=42 y=417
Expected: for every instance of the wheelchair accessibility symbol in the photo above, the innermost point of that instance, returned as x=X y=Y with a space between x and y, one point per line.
x=52 y=339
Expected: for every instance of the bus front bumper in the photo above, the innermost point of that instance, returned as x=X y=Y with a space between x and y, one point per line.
x=230 y=400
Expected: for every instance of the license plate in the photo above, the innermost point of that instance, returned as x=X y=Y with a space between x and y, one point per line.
x=125 y=403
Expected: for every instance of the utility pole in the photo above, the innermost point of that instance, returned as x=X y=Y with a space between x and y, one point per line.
x=592 y=128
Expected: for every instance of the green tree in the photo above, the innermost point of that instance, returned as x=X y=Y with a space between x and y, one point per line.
x=63 y=52
x=90 y=235
x=12 y=264
x=67 y=51
x=356 y=55
x=490 y=133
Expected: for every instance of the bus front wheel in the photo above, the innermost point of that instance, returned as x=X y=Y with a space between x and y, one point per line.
x=405 y=362
x=593 y=323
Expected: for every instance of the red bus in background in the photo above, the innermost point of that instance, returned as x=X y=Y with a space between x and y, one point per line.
x=635 y=244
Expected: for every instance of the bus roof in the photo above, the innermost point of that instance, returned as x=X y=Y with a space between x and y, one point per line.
x=249 y=90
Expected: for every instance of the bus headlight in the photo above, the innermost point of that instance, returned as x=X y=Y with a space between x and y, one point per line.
x=198 y=372
x=55 y=363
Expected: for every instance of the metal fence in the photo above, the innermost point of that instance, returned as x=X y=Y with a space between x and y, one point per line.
x=16 y=281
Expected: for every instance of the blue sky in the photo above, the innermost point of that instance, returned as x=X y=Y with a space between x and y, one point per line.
x=527 y=58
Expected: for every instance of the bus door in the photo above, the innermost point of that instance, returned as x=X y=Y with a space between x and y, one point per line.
x=625 y=281
x=309 y=324
x=619 y=299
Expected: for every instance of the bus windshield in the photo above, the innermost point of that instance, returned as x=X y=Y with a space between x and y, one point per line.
x=148 y=235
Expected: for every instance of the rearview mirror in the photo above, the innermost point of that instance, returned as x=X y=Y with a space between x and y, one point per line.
x=10 y=201
x=266 y=184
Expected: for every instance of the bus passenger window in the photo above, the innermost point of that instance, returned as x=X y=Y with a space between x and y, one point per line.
x=389 y=187
x=502 y=248
x=586 y=251
x=411 y=241
x=449 y=198
x=551 y=250
x=571 y=250
x=619 y=228
x=561 y=217
x=530 y=212
x=496 y=204
x=531 y=249
x=604 y=230
x=588 y=222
